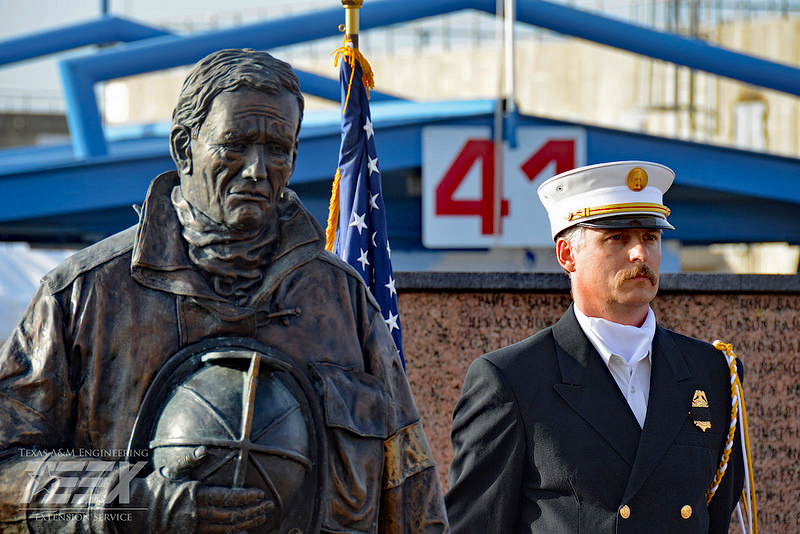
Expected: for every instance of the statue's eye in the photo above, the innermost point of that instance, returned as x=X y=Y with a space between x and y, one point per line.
x=234 y=147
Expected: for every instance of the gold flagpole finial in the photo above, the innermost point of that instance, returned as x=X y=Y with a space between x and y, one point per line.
x=351 y=28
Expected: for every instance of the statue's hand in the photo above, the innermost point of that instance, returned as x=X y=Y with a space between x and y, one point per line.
x=224 y=510
x=172 y=506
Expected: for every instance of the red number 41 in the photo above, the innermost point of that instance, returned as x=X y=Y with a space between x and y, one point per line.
x=562 y=152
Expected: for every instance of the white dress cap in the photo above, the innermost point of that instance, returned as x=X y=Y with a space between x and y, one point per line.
x=620 y=194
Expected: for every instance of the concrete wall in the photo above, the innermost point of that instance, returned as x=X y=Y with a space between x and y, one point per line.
x=449 y=319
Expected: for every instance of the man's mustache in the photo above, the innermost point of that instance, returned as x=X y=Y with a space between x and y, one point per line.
x=635 y=272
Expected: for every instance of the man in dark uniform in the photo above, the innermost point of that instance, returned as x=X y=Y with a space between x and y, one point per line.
x=604 y=422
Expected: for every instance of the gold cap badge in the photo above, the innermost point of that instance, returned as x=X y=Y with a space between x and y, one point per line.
x=637 y=179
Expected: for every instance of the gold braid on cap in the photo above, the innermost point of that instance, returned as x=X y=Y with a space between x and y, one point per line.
x=627 y=207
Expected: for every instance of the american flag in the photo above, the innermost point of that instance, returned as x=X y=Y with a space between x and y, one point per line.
x=361 y=237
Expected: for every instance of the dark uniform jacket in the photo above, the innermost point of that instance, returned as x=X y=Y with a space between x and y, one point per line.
x=546 y=443
x=74 y=372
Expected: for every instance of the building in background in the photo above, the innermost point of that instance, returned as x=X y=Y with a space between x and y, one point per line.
x=456 y=58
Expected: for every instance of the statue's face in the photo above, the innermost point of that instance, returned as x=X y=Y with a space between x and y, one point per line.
x=243 y=157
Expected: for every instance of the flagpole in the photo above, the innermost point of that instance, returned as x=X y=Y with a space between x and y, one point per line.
x=497 y=127
x=509 y=18
x=351 y=21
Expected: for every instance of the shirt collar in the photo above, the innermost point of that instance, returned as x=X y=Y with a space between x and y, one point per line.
x=629 y=342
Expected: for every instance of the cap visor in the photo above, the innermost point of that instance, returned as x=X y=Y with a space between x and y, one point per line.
x=628 y=222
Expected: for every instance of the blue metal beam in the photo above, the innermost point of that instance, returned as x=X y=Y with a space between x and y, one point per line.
x=122 y=178
x=172 y=51
x=85 y=123
x=101 y=31
x=112 y=29
x=703 y=166
x=703 y=217
x=81 y=186
x=80 y=74
x=692 y=53
x=60 y=187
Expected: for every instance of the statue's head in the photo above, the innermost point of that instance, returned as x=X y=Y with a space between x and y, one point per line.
x=234 y=136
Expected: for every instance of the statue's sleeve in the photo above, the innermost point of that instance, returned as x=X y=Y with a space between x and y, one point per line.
x=411 y=498
x=46 y=485
x=36 y=402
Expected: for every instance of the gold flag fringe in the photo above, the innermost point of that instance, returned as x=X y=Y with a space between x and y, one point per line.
x=333 y=213
x=351 y=55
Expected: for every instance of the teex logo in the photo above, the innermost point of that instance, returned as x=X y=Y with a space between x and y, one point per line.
x=72 y=481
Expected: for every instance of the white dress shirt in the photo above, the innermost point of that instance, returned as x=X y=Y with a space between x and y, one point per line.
x=626 y=351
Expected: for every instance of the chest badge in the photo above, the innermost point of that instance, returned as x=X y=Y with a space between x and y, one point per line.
x=703 y=425
x=700 y=411
x=699 y=400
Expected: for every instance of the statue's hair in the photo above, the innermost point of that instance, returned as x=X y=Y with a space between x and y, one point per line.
x=229 y=70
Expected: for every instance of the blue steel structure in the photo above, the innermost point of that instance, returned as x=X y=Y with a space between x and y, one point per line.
x=101 y=31
x=83 y=192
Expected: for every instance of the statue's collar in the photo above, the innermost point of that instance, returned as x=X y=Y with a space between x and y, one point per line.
x=160 y=260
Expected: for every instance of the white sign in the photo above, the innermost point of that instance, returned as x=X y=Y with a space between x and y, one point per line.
x=458 y=184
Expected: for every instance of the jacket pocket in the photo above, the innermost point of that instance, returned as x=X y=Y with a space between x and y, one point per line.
x=355 y=410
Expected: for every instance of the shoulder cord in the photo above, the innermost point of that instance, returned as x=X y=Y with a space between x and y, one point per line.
x=738 y=415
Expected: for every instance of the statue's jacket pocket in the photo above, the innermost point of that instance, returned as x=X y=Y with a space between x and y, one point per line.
x=355 y=407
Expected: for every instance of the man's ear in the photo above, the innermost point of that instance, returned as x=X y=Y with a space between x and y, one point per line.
x=180 y=147
x=565 y=255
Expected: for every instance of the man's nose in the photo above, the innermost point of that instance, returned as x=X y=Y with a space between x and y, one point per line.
x=255 y=167
x=638 y=251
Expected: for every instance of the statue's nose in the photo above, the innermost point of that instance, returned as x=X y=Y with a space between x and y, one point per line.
x=255 y=167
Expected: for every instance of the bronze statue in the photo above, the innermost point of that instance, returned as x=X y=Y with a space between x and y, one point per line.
x=213 y=368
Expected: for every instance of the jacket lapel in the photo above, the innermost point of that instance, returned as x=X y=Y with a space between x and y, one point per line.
x=666 y=408
x=590 y=390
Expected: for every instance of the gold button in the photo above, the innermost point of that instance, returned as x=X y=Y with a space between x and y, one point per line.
x=686 y=512
x=625 y=512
